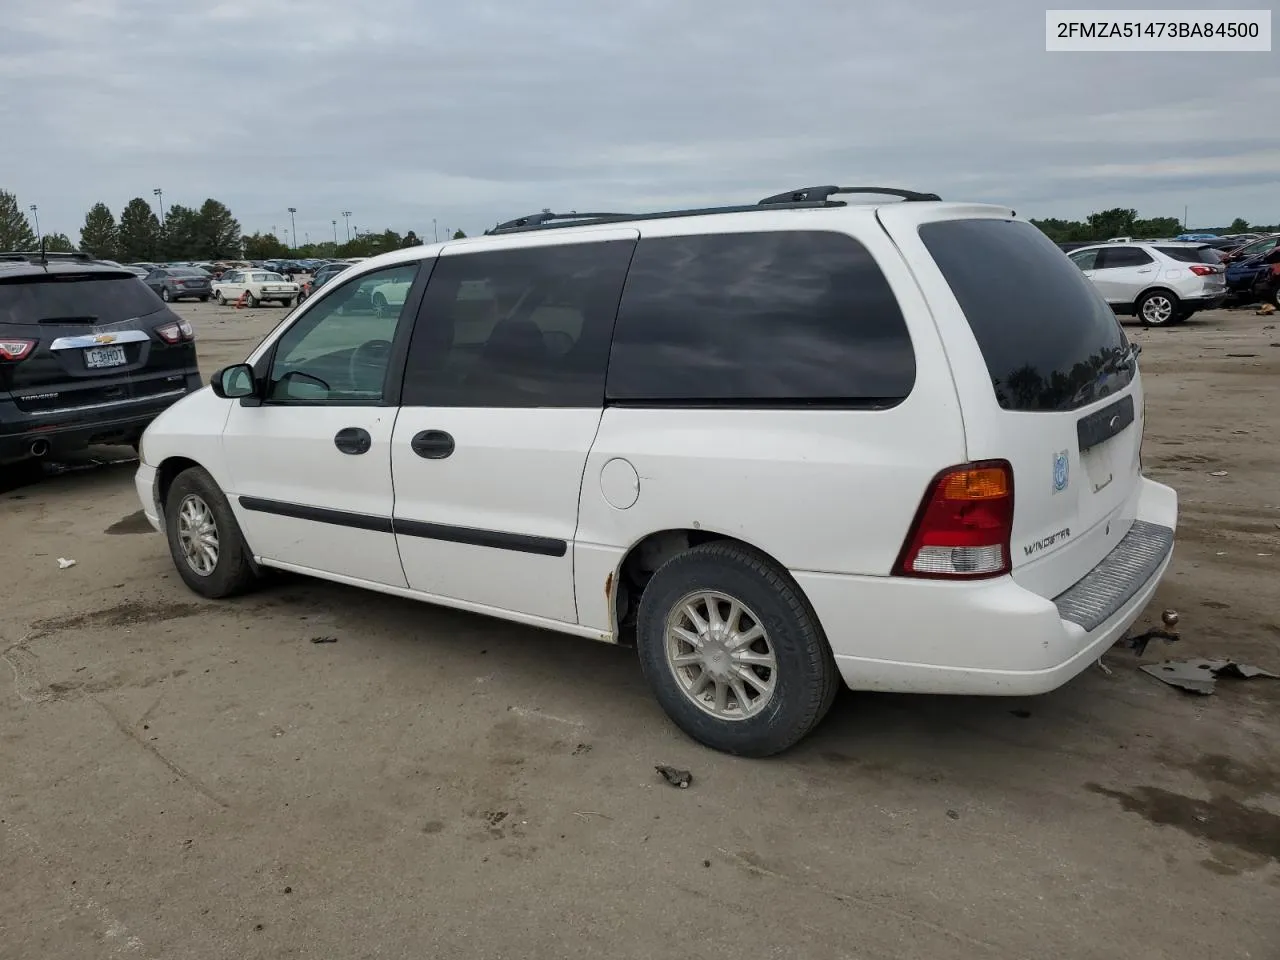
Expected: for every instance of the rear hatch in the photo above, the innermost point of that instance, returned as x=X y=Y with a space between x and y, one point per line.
x=95 y=341
x=1202 y=260
x=197 y=281
x=1046 y=379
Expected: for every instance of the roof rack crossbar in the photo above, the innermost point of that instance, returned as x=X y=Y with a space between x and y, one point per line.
x=824 y=193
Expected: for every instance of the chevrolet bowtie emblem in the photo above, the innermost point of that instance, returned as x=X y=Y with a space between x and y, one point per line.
x=105 y=338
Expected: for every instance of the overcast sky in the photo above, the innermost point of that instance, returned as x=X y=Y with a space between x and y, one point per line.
x=477 y=110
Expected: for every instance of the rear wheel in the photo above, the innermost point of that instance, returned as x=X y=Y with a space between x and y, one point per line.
x=379 y=303
x=1158 y=308
x=165 y=295
x=204 y=538
x=286 y=304
x=253 y=301
x=733 y=652
x=219 y=299
x=204 y=298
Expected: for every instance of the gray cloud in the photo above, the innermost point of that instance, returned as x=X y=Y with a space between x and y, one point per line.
x=494 y=108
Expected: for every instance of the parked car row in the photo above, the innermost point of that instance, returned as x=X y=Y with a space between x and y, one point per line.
x=1161 y=283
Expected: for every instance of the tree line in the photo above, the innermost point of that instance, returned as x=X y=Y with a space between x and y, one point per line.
x=205 y=233
x=210 y=233
x=1122 y=222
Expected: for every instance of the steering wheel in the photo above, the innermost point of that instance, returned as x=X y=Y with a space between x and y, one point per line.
x=372 y=354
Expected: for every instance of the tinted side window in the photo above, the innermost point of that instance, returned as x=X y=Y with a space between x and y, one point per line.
x=1111 y=257
x=1190 y=254
x=759 y=318
x=517 y=328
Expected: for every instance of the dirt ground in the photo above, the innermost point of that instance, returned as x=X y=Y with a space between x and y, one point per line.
x=188 y=779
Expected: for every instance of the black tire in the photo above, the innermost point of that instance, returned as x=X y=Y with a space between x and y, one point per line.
x=233 y=570
x=254 y=301
x=286 y=304
x=219 y=299
x=1151 y=312
x=165 y=295
x=204 y=298
x=806 y=680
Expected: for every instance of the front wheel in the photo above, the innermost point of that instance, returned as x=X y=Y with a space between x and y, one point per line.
x=253 y=301
x=165 y=295
x=1158 y=309
x=204 y=298
x=733 y=652
x=219 y=299
x=204 y=538
x=286 y=304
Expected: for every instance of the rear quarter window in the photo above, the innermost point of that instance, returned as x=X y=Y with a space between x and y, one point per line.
x=1049 y=340
x=76 y=299
x=759 y=319
x=1191 y=254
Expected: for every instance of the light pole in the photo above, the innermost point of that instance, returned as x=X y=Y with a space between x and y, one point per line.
x=335 y=234
x=435 y=234
x=159 y=194
x=346 y=215
x=35 y=213
x=294 y=222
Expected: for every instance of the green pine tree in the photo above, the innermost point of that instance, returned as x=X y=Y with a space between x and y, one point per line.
x=99 y=235
x=15 y=229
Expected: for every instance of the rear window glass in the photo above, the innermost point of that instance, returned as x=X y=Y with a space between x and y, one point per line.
x=76 y=299
x=1049 y=340
x=759 y=318
x=1191 y=254
x=187 y=272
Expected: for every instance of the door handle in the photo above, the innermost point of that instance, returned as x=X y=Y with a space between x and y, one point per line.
x=353 y=440
x=432 y=444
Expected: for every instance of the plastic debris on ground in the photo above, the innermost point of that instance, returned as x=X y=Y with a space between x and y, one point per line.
x=1200 y=676
x=64 y=563
x=675 y=777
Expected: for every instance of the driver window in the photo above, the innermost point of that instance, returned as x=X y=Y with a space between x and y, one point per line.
x=338 y=350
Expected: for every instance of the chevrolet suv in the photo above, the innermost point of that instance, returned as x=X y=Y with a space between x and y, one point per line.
x=777 y=448
x=88 y=354
x=1160 y=283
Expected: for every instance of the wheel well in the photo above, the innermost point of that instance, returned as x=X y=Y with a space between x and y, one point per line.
x=643 y=560
x=166 y=474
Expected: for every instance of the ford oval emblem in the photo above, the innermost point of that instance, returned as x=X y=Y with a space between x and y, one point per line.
x=1061 y=471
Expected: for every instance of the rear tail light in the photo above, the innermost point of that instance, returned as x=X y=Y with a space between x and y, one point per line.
x=963 y=526
x=15 y=349
x=1202 y=271
x=176 y=332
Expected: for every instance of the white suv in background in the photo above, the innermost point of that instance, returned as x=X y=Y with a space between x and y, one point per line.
x=1160 y=283
x=777 y=448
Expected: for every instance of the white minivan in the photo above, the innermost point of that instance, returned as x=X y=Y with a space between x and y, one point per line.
x=777 y=448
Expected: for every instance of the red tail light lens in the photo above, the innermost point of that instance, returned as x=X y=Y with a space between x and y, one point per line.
x=1201 y=271
x=963 y=526
x=15 y=349
x=176 y=332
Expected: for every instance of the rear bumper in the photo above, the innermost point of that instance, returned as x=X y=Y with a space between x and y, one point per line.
x=1206 y=303
x=56 y=434
x=184 y=294
x=144 y=482
x=993 y=638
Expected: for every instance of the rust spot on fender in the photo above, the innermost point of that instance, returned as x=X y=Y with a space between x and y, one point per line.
x=608 y=586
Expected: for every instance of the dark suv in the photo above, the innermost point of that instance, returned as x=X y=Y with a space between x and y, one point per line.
x=88 y=354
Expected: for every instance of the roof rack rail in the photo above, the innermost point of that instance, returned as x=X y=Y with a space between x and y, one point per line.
x=819 y=194
x=540 y=221
x=546 y=217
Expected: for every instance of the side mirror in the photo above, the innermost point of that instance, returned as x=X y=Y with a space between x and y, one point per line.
x=234 y=382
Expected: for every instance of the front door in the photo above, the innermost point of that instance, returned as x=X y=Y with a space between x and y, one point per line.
x=311 y=464
x=503 y=394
